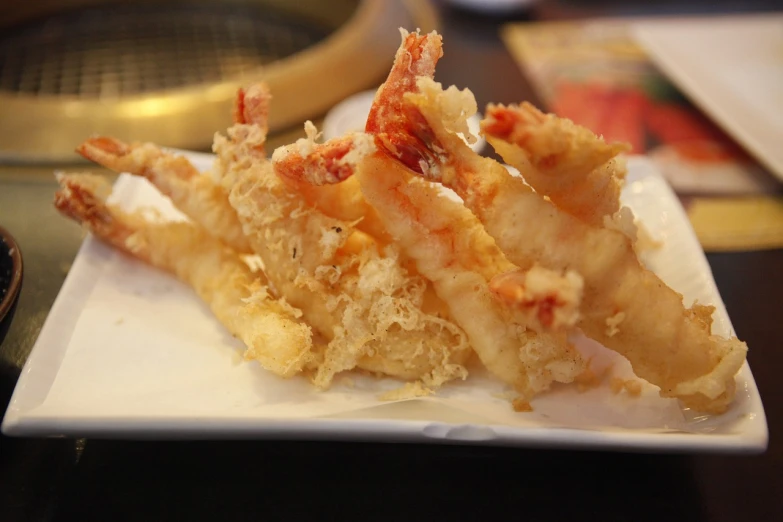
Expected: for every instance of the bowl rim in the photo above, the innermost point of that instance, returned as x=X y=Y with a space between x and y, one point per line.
x=17 y=269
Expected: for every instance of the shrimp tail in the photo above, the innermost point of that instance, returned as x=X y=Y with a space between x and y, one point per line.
x=416 y=57
x=196 y=195
x=82 y=198
x=310 y=163
x=251 y=106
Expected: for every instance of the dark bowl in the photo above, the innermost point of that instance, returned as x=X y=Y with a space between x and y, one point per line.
x=10 y=279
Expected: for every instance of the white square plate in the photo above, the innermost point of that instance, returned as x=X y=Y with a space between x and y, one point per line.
x=732 y=68
x=127 y=351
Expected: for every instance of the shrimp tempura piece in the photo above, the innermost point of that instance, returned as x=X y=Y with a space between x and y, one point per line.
x=279 y=226
x=354 y=291
x=565 y=162
x=270 y=328
x=195 y=194
x=625 y=307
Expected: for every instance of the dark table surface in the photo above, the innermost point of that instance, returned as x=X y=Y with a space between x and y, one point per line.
x=66 y=479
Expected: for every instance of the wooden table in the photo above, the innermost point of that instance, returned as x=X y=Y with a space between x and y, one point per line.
x=139 y=480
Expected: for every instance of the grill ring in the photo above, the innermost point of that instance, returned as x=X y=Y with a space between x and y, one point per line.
x=181 y=101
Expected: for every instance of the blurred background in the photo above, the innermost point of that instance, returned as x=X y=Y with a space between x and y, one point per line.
x=167 y=71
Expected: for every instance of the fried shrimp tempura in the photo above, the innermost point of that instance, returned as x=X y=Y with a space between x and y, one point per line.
x=667 y=345
x=270 y=328
x=353 y=290
x=370 y=265
x=193 y=193
x=388 y=123
x=426 y=224
x=447 y=243
x=569 y=164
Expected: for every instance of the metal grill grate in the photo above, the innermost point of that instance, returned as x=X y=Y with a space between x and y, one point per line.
x=111 y=52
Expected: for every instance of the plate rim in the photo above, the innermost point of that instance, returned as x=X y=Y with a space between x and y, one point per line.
x=390 y=430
